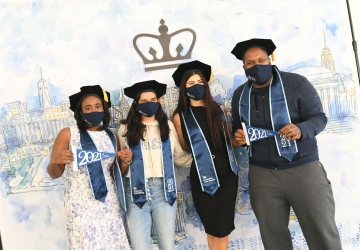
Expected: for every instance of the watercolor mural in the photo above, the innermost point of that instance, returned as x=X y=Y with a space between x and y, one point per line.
x=49 y=49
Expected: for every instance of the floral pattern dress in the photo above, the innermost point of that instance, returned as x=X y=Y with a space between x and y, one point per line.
x=92 y=224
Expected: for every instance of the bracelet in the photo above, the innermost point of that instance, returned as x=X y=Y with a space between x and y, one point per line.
x=127 y=163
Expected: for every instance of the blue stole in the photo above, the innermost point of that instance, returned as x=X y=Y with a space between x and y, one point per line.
x=230 y=150
x=96 y=172
x=278 y=111
x=137 y=174
x=202 y=155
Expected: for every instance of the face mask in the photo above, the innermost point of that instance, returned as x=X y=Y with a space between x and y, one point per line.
x=259 y=74
x=93 y=118
x=148 y=109
x=196 y=92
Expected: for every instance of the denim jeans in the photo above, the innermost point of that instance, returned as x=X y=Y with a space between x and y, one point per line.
x=156 y=209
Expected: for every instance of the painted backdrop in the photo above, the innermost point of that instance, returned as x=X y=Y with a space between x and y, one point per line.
x=49 y=49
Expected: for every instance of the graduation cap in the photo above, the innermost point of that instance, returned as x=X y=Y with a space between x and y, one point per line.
x=148 y=86
x=240 y=48
x=94 y=90
x=195 y=65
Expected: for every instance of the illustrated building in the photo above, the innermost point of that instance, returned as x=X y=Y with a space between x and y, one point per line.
x=336 y=92
x=180 y=219
x=43 y=92
x=217 y=91
x=27 y=136
x=326 y=57
x=120 y=112
x=170 y=101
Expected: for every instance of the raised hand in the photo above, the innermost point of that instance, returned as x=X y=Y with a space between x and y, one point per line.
x=62 y=158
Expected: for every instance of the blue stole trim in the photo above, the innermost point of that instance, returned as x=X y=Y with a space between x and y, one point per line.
x=244 y=108
x=137 y=174
x=202 y=155
x=280 y=116
x=169 y=172
x=97 y=177
x=95 y=170
x=278 y=111
x=230 y=150
x=117 y=173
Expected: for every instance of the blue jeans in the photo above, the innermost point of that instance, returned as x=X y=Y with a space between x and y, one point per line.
x=156 y=209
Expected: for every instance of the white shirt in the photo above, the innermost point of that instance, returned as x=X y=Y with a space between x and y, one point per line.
x=151 y=149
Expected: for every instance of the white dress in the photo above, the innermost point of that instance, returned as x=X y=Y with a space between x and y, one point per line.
x=92 y=224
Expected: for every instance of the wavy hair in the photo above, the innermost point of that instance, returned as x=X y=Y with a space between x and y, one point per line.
x=135 y=127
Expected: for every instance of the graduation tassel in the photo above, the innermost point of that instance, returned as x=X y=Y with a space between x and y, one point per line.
x=272 y=57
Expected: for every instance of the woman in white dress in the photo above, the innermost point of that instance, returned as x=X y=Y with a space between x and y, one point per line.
x=93 y=213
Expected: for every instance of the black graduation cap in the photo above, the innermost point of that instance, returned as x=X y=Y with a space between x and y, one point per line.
x=179 y=72
x=86 y=91
x=240 y=48
x=147 y=86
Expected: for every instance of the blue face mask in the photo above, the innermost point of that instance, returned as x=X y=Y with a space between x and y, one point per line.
x=259 y=74
x=93 y=118
x=147 y=109
x=196 y=92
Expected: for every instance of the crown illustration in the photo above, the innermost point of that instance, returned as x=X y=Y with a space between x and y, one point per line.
x=164 y=39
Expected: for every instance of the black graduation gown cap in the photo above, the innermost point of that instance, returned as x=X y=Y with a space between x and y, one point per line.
x=95 y=90
x=147 y=86
x=197 y=65
x=241 y=47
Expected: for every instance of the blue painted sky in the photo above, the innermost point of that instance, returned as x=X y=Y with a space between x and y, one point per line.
x=79 y=44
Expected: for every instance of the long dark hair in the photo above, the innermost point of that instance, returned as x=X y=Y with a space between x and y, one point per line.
x=135 y=127
x=214 y=119
x=82 y=124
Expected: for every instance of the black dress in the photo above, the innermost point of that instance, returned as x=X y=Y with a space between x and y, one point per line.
x=216 y=212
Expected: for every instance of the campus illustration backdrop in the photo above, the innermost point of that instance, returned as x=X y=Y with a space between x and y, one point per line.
x=49 y=49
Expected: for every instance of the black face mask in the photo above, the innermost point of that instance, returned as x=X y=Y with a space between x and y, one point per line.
x=93 y=118
x=196 y=92
x=259 y=73
x=148 y=109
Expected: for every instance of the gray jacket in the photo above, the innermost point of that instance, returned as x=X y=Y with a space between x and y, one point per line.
x=305 y=111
